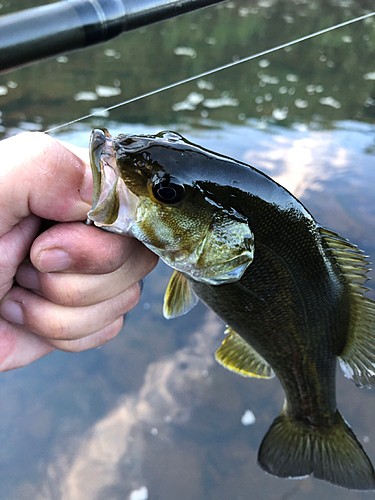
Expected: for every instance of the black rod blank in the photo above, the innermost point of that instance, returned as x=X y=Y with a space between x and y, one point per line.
x=34 y=34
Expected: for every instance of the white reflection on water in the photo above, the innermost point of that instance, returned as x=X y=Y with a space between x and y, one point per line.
x=301 y=163
x=114 y=450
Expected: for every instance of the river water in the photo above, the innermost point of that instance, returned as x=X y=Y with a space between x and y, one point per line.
x=151 y=415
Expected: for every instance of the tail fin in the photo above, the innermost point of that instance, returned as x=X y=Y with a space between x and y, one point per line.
x=292 y=449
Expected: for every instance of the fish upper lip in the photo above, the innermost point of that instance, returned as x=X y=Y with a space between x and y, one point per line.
x=103 y=164
x=97 y=141
x=108 y=169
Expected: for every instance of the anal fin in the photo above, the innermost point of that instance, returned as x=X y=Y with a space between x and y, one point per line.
x=237 y=355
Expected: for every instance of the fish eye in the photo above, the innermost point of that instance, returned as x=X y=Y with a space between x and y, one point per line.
x=167 y=191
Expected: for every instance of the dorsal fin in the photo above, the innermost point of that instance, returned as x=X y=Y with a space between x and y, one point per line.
x=238 y=356
x=351 y=259
x=179 y=297
x=357 y=360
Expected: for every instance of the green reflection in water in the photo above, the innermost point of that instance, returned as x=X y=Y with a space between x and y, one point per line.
x=321 y=80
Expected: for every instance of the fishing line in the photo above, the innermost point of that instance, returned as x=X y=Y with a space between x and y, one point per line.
x=215 y=70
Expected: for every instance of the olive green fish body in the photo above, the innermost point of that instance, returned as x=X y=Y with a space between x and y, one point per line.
x=293 y=308
x=290 y=291
x=293 y=339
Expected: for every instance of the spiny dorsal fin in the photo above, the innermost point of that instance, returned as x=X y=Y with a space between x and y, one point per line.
x=179 y=298
x=350 y=258
x=238 y=356
x=358 y=357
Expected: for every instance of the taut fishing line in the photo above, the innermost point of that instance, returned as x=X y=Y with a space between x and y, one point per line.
x=215 y=70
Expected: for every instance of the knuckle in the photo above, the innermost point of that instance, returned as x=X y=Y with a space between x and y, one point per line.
x=115 y=253
x=56 y=329
x=71 y=294
x=73 y=346
x=42 y=148
x=131 y=297
x=113 y=330
x=91 y=341
x=151 y=262
x=53 y=326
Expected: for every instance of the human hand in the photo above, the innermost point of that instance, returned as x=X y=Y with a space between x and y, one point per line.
x=68 y=287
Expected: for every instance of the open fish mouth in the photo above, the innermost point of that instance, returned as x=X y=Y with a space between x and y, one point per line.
x=114 y=206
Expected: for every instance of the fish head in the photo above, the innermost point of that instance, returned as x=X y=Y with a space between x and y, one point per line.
x=153 y=188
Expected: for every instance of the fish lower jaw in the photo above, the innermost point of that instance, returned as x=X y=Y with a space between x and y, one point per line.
x=118 y=226
x=128 y=212
x=123 y=223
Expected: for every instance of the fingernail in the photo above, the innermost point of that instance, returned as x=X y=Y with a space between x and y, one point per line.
x=53 y=260
x=27 y=277
x=12 y=312
x=87 y=187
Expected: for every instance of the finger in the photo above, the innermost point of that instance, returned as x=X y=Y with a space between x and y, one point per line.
x=43 y=178
x=75 y=247
x=20 y=347
x=77 y=290
x=94 y=340
x=14 y=246
x=57 y=322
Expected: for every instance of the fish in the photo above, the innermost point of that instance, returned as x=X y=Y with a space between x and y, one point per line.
x=290 y=290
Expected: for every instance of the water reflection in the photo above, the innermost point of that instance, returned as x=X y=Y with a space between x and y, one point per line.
x=322 y=80
x=151 y=409
x=116 y=452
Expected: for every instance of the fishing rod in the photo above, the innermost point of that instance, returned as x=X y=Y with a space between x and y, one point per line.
x=37 y=33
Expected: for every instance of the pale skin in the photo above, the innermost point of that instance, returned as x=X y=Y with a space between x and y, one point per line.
x=69 y=286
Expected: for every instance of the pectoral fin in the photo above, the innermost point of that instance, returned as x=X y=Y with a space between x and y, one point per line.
x=357 y=359
x=179 y=298
x=238 y=356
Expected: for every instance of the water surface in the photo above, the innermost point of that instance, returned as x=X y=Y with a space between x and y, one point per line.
x=151 y=415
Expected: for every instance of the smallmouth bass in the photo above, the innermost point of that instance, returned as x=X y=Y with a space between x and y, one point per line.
x=290 y=291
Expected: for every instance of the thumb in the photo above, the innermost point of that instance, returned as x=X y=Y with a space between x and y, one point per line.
x=41 y=176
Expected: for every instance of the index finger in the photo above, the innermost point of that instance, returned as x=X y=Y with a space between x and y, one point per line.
x=40 y=176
